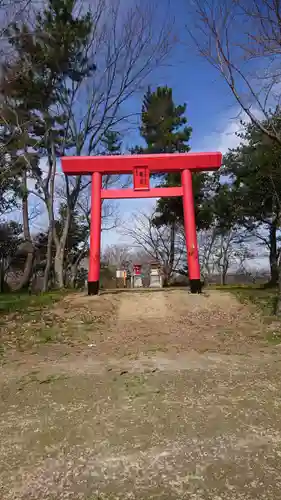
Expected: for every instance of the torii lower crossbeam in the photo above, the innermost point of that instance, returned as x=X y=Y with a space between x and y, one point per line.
x=142 y=166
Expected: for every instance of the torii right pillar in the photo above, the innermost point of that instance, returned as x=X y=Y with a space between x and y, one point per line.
x=190 y=233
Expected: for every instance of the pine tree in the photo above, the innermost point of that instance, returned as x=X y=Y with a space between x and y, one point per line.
x=164 y=130
x=111 y=143
x=164 y=126
x=49 y=57
x=254 y=168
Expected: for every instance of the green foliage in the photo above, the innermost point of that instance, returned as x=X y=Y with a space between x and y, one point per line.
x=171 y=209
x=111 y=143
x=10 y=238
x=15 y=154
x=77 y=234
x=49 y=54
x=16 y=302
x=49 y=58
x=163 y=125
x=254 y=168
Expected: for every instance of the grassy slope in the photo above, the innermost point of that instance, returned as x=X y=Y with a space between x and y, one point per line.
x=16 y=302
x=264 y=299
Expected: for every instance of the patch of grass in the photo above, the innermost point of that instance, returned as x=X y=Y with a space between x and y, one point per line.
x=19 y=302
x=2 y=349
x=134 y=385
x=236 y=287
x=274 y=338
x=89 y=317
x=29 y=320
x=47 y=335
x=263 y=298
x=157 y=349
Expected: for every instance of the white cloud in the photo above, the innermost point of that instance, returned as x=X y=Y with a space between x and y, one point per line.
x=225 y=137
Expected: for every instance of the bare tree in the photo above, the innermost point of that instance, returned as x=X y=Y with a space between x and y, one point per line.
x=49 y=193
x=206 y=243
x=117 y=255
x=12 y=11
x=156 y=242
x=241 y=40
x=219 y=251
x=110 y=218
x=229 y=251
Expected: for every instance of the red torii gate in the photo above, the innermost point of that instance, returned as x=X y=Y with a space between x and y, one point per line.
x=141 y=166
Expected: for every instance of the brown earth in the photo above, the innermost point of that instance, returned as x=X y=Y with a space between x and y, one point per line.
x=140 y=395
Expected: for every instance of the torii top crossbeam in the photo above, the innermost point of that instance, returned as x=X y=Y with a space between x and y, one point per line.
x=85 y=165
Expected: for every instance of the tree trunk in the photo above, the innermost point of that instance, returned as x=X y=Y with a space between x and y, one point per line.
x=2 y=276
x=50 y=205
x=74 y=269
x=171 y=261
x=28 y=268
x=59 y=272
x=61 y=242
x=278 y=298
x=73 y=273
x=273 y=256
x=165 y=280
x=46 y=278
x=222 y=277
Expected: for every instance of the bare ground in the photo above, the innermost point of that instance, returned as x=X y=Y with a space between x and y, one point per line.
x=140 y=396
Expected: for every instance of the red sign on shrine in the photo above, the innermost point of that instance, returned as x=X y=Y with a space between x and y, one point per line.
x=137 y=269
x=141 y=178
x=185 y=163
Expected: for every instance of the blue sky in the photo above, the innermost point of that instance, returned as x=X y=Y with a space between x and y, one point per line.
x=194 y=82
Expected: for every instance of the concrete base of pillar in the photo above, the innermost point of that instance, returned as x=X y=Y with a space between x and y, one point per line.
x=195 y=286
x=93 y=287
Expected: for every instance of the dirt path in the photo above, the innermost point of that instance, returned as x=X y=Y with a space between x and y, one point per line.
x=145 y=306
x=168 y=396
